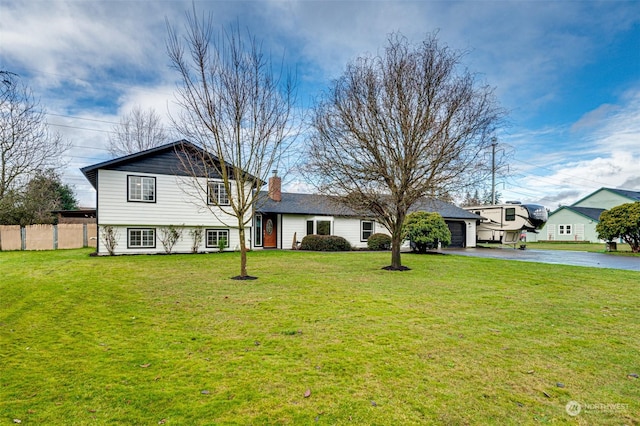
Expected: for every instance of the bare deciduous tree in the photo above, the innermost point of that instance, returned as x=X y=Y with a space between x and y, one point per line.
x=26 y=145
x=137 y=131
x=400 y=126
x=237 y=109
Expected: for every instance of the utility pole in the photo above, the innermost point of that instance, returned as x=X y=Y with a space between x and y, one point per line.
x=494 y=143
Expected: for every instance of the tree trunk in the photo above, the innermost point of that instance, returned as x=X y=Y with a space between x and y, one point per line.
x=243 y=253
x=396 y=242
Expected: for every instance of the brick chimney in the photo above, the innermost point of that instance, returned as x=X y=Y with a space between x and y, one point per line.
x=275 y=187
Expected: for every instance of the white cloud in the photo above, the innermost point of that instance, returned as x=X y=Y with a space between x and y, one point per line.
x=97 y=59
x=80 y=40
x=611 y=135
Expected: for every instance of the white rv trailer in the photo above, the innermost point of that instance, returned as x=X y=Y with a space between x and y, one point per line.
x=504 y=223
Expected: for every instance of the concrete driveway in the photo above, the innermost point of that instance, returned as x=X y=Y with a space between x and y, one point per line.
x=561 y=257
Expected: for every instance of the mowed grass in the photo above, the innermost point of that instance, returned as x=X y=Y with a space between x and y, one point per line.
x=318 y=339
x=622 y=249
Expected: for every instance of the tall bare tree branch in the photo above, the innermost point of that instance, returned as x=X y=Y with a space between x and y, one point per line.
x=26 y=145
x=237 y=107
x=137 y=131
x=400 y=126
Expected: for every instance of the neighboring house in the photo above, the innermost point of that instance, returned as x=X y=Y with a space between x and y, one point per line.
x=283 y=219
x=141 y=195
x=81 y=215
x=578 y=221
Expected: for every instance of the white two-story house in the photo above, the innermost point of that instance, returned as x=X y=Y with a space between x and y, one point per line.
x=141 y=196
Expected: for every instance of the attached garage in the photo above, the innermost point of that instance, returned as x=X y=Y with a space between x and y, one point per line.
x=458 y=233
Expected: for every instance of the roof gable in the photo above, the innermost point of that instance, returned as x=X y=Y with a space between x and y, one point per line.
x=624 y=193
x=160 y=160
x=147 y=161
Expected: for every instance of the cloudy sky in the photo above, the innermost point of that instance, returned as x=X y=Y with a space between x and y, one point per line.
x=568 y=72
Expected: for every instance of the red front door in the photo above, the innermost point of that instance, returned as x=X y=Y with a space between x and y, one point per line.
x=269 y=231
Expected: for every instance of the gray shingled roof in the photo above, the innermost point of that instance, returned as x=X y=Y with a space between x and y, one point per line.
x=293 y=203
x=633 y=195
x=446 y=210
x=590 y=212
x=315 y=204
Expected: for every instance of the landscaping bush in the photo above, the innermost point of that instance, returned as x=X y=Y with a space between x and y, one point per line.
x=425 y=231
x=325 y=243
x=379 y=242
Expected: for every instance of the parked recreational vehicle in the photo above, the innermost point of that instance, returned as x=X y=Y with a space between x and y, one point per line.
x=504 y=223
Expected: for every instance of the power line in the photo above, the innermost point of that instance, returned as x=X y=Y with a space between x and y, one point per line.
x=80 y=128
x=82 y=118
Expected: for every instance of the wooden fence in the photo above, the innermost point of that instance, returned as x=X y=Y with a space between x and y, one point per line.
x=48 y=237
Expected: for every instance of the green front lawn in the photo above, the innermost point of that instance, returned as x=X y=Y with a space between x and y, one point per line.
x=317 y=339
x=580 y=246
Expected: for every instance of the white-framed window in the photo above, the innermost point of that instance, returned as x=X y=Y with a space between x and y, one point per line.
x=141 y=237
x=320 y=226
x=215 y=236
x=218 y=194
x=323 y=227
x=564 y=230
x=141 y=189
x=257 y=239
x=366 y=229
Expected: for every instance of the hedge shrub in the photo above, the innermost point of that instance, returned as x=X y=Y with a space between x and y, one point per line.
x=379 y=242
x=324 y=243
x=425 y=231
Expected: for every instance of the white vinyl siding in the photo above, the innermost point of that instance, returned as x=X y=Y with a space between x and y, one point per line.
x=183 y=245
x=345 y=227
x=179 y=203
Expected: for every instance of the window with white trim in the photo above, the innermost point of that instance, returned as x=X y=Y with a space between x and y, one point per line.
x=323 y=227
x=141 y=189
x=141 y=237
x=319 y=226
x=564 y=229
x=257 y=241
x=215 y=236
x=218 y=194
x=366 y=229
